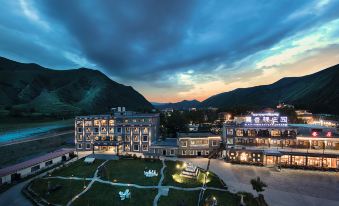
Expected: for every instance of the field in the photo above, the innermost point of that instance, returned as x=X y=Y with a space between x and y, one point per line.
x=80 y=186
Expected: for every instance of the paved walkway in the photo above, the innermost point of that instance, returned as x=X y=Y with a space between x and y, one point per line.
x=285 y=188
x=156 y=199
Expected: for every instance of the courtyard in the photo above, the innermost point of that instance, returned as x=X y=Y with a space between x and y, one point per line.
x=101 y=182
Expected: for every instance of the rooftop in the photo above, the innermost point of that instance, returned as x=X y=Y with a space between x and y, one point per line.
x=168 y=142
x=196 y=134
x=29 y=163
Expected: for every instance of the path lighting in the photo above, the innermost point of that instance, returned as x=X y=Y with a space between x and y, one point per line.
x=178 y=166
x=184 y=165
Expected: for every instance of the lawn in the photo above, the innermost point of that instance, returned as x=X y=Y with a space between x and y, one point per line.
x=131 y=171
x=104 y=194
x=78 y=169
x=69 y=188
x=178 y=197
x=172 y=177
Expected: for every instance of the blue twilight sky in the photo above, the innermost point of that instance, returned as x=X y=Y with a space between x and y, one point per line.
x=171 y=50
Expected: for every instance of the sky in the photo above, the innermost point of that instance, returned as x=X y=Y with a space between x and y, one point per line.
x=172 y=50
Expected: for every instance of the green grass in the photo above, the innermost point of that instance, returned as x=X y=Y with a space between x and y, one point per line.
x=9 y=154
x=131 y=171
x=223 y=198
x=69 y=188
x=172 y=177
x=103 y=194
x=78 y=169
x=178 y=197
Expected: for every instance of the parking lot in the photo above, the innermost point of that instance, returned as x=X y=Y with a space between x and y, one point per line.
x=285 y=188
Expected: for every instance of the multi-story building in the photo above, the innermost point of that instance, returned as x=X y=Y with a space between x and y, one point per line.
x=121 y=130
x=197 y=144
x=294 y=144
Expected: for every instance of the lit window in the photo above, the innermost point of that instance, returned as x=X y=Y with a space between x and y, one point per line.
x=184 y=143
x=111 y=122
x=136 y=138
x=127 y=138
x=145 y=147
x=239 y=132
x=96 y=123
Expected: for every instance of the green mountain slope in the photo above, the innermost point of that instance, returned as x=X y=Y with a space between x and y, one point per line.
x=318 y=92
x=185 y=104
x=30 y=88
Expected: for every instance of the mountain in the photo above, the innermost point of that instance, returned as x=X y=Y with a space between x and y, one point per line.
x=185 y=104
x=32 y=89
x=318 y=92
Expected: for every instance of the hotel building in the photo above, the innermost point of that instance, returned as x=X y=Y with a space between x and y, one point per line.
x=120 y=131
x=267 y=138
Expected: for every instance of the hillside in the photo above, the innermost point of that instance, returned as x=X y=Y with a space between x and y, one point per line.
x=185 y=104
x=318 y=92
x=29 y=89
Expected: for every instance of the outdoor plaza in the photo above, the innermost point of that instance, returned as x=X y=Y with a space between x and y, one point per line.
x=132 y=181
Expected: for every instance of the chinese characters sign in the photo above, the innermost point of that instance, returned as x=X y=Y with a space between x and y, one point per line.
x=266 y=119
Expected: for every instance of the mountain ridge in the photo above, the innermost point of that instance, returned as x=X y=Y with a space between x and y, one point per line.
x=31 y=88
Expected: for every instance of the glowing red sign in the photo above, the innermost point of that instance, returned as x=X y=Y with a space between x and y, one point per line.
x=314 y=134
x=329 y=134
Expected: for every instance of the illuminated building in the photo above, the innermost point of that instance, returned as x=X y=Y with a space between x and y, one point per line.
x=121 y=131
x=267 y=138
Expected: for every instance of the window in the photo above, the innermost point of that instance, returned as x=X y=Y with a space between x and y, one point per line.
x=88 y=130
x=79 y=146
x=111 y=138
x=127 y=130
x=127 y=138
x=127 y=148
x=136 y=130
x=207 y=152
x=79 y=129
x=111 y=130
x=119 y=129
x=230 y=131
x=96 y=129
x=214 y=143
x=135 y=138
x=96 y=122
x=144 y=138
x=275 y=133
x=172 y=151
x=239 y=132
x=184 y=143
x=88 y=146
x=48 y=163
x=103 y=122
x=97 y=138
x=103 y=138
x=136 y=147
x=79 y=123
x=111 y=122
x=103 y=129
x=88 y=123
x=199 y=142
x=192 y=152
x=251 y=133
x=35 y=168
x=183 y=152
x=88 y=138
x=145 y=130
x=80 y=137
x=145 y=147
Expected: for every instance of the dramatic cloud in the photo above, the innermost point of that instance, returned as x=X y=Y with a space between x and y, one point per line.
x=174 y=50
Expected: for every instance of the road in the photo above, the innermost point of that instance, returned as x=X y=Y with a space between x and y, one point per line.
x=285 y=188
x=34 y=138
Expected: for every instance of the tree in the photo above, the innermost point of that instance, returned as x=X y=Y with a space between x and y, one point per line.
x=258 y=185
